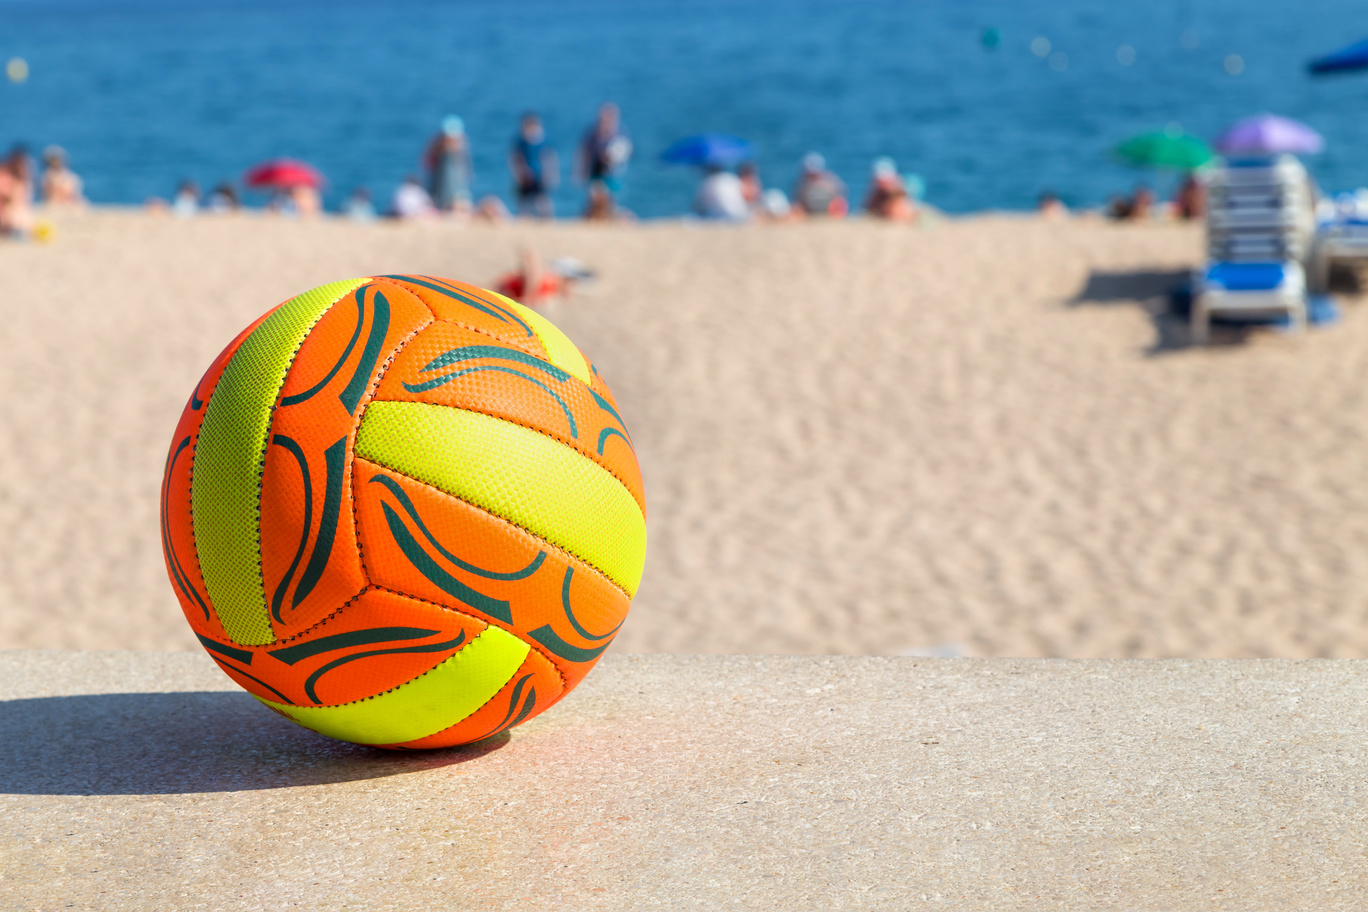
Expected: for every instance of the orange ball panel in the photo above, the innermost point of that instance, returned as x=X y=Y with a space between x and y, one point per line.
x=419 y=540
x=474 y=374
x=475 y=309
x=535 y=686
x=309 y=558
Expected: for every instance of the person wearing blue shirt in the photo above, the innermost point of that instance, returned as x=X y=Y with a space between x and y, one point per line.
x=536 y=170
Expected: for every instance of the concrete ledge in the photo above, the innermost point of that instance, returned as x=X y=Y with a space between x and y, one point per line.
x=148 y=781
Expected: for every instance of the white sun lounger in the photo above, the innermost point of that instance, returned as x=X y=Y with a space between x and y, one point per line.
x=1247 y=289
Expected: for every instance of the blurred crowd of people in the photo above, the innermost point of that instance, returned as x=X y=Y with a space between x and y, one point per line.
x=443 y=187
x=724 y=195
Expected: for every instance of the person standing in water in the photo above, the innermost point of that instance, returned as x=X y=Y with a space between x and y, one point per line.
x=604 y=152
x=535 y=167
x=449 y=167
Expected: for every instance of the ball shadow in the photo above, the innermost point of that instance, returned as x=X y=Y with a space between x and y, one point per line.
x=176 y=743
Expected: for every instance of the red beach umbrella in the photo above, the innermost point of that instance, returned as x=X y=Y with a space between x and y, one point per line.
x=282 y=174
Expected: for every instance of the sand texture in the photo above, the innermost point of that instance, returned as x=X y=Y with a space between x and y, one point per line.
x=856 y=438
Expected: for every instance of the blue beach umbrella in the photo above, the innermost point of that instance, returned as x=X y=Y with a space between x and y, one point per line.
x=719 y=150
x=1354 y=57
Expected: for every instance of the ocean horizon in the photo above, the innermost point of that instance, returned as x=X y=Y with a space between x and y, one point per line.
x=990 y=103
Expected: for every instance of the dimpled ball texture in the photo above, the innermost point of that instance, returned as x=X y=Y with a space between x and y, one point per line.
x=403 y=511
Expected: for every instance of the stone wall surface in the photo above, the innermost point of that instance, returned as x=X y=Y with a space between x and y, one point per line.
x=148 y=781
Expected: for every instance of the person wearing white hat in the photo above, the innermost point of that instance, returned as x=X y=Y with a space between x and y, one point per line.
x=818 y=191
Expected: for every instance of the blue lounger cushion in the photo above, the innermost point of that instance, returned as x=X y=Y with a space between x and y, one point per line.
x=1246 y=276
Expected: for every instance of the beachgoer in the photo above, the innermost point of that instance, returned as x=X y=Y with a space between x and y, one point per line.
x=818 y=191
x=60 y=185
x=223 y=198
x=1190 y=201
x=358 y=206
x=721 y=196
x=16 y=194
x=411 y=201
x=888 y=197
x=304 y=200
x=775 y=204
x=186 y=201
x=492 y=209
x=604 y=151
x=449 y=167
x=751 y=188
x=1051 y=207
x=1142 y=204
x=535 y=167
x=600 y=207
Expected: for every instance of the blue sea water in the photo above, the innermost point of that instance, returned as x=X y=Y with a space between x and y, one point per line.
x=144 y=93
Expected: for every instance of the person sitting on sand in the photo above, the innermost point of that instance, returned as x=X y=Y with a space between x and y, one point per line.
x=16 y=194
x=1050 y=207
x=60 y=185
x=721 y=197
x=751 y=188
x=533 y=284
x=186 y=201
x=1138 y=208
x=304 y=200
x=818 y=191
x=1142 y=205
x=223 y=198
x=411 y=202
x=602 y=207
x=1190 y=201
x=888 y=197
x=492 y=209
x=359 y=207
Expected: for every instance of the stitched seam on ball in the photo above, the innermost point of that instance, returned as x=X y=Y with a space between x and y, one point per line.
x=424 y=675
x=335 y=612
x=549 y=436
x=565 y=688
x=520 y=344
x=589 y=456
x=565 y=685
x=266 y=444
x=360 y=416
x=413 y=294
x=550 y=544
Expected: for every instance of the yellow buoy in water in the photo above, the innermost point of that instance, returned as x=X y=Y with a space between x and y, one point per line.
x=17 y=69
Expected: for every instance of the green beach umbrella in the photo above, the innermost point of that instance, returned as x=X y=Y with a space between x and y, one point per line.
x=1170 y=148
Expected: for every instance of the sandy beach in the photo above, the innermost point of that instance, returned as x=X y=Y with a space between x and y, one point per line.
x=981 y=438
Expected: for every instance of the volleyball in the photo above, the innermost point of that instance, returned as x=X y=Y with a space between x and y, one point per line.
x=403 y=511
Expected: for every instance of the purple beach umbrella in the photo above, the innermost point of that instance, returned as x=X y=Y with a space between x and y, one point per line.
x=1269 y=135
